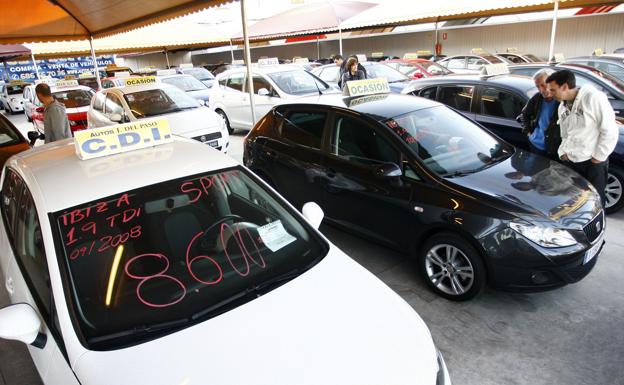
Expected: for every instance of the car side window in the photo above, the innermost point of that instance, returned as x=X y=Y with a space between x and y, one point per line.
x=500 y=103
x=358 y=142
x=429 y=93
x=98 y=102
x=236 y=81
x=475 y=63
x=11 y=191
x=113 y=105
x=222 y=82
x=456 y=63
x=259 y=82
x=304 y=128
x=458 y=97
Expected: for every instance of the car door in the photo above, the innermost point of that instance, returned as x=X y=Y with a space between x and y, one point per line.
x=353 y=195
x=28 y=103
x=263 y=103
x=497 y=109
x=293 y=157
x=95 y=115
x=28 y=278
x=235 y=102
x=460 y=97
x=113 y=106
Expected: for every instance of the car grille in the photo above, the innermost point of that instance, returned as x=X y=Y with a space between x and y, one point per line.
x=208 y=137
x=594 y=228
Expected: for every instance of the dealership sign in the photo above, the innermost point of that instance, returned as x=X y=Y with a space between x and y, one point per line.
x=55 y=68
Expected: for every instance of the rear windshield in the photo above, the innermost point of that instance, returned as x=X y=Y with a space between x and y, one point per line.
x=159 y=101
x=74 y=98
x=153 y=260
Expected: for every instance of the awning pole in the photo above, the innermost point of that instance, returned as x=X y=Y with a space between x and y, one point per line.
x=552 y=34
x=95 y=67
x=232 y=50
x=318 y=48
x=247 y=57
x=340 y=37
x=32 y=55
x=435 y=53
x=167 y=58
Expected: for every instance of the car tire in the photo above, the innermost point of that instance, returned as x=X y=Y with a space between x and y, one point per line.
x=614 y=191
x=452 y=267
x=227 y=121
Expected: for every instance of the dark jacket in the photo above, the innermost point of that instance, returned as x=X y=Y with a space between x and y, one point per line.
x=347 y=77
x=343 y=69
x=529 y=120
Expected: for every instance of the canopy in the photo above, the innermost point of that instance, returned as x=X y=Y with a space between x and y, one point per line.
x=306 y=19
x=10 y=51
x=394 y=12
x=56 y=20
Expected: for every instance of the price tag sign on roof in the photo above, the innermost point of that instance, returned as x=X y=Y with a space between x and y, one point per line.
x=368 y=87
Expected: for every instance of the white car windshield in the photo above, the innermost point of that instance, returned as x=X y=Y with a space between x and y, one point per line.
x=159 y=101
x=199 y=73
x=186 y=83
x=160 y=258
x=298 y=82
x=447 y=142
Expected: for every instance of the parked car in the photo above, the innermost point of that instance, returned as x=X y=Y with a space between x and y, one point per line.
x=469 y=64
x=417 y=176
x=12 y=97
x=417 y=68
x=611 y=64
x=273 y=84
x=219 y=68
x=517 y=58
x=496 y=102
x=200 y=73
x=133 y=103
x=11 y=140
x=75 y=98
x=114 y=280
x=189 y=84
x=397 y=81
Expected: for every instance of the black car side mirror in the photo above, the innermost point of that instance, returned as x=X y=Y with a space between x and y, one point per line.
x=33 y=136
x=387 y=170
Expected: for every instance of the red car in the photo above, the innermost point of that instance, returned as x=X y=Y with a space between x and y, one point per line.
x=417 y=68
x=76 y=99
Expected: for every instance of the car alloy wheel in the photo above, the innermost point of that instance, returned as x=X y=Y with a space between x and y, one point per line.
x=614 y=190
x=452 y=267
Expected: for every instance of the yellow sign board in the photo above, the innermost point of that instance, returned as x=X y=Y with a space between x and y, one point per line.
x=495 y=69
x=120 y=138
x=137 y=81
x=598 y=52
x=377 y=54
x=410 y=55
x=368 y=87
x=66 y=83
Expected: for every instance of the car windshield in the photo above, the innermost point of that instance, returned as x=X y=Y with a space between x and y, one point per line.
x=185 y=83
x=434 y=68
x=199 y=73
x=493 y=59
x=532 y=57
x=74 y=98
x=15 y=89
x=448 y=143
x=163 y=257
x=383 y=71
x=159 y=101
x=298 y=82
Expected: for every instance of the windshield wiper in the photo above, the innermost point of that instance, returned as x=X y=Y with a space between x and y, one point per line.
x=141 y=330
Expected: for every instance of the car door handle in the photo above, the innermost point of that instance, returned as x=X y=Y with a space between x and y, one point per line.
x=9 y=285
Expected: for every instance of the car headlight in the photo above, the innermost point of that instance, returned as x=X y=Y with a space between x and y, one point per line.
x=545 y=236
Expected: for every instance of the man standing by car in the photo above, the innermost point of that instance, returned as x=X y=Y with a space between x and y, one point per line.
x=55 y=124
x=539 y=118
x=588 y=129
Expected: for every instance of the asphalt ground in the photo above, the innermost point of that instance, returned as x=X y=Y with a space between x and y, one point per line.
x=570 y=336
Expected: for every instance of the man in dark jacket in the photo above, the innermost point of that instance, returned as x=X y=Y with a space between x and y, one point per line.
x=539 y=118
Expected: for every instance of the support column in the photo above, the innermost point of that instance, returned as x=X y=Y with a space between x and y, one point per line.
x=551 y=51
x=247 y=55
x=95 y=66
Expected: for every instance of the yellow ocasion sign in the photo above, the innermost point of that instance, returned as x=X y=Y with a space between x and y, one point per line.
x=129 y=82
x=122 y=138
x=368 y=87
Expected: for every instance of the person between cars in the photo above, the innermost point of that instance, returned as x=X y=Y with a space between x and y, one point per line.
x=338 y=60
x=345 y=66
x=539 y=118
x=352 y=73
x=588 y=129
x=55 y=123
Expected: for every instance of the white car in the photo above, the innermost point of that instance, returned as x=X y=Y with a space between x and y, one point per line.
x=186 y=116
x=189 y=84
x=273 y=84
x=11 y=98
x=469 y=64
x=174 y=264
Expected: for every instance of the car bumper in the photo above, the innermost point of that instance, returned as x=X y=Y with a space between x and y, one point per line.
x=16 y=107
x=219 y=142
x=517 y=264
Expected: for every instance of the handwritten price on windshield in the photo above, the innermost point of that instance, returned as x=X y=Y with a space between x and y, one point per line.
x=234 y=231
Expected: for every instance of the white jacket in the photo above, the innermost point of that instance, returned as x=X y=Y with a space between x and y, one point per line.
x=588 y=129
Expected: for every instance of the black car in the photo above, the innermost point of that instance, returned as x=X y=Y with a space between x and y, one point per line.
x=416 y=176
x=495 y=102
x=330 y=74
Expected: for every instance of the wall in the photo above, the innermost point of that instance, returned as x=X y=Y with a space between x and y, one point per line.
x=154 y=59
x=575 y=37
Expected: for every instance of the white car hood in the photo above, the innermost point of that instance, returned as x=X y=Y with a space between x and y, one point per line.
x=198 y=121
x=335 y=324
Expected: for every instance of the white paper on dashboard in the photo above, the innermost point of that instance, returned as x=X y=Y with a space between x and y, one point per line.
x=275 y=236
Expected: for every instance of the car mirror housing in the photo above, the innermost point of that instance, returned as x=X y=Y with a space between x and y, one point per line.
x=116 y=118
x=264 y=92
x=387 y=170
x=313 y=213
x=33 y=135
x=20 y=322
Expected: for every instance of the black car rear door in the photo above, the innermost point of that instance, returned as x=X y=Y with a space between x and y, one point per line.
x=458 y=96
x=497 y=109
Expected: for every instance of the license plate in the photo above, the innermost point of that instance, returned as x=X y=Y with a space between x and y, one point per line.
x=213 y=143
x=591 y=253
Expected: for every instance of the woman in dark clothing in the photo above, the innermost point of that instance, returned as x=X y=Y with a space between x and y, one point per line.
x=352 y=72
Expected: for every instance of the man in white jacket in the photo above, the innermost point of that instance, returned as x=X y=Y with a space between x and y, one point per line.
x=589 y=132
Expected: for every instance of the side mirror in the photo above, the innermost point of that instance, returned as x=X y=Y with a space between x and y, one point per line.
x=313 y=213
x=201 y=102
x=264 y=92
x=418 y=75
x=116 y=118
x=387 y=170
x=33 y=136
x=20 y=322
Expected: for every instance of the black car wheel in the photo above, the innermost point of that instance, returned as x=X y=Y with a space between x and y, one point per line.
x=614 y=190
x=452 y=267
x=227 y=121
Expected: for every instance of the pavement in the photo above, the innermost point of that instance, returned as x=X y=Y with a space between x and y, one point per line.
x=570 y=336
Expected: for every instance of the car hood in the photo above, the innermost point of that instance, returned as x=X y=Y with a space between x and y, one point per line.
x=533 y=186
x=335 y=324
x=196 y=119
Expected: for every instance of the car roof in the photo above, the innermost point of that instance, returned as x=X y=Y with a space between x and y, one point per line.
x=379 y=106
x=607 y=58
x=47 y=167
x=263 y=69
x=518 y=82
x=161 y=77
